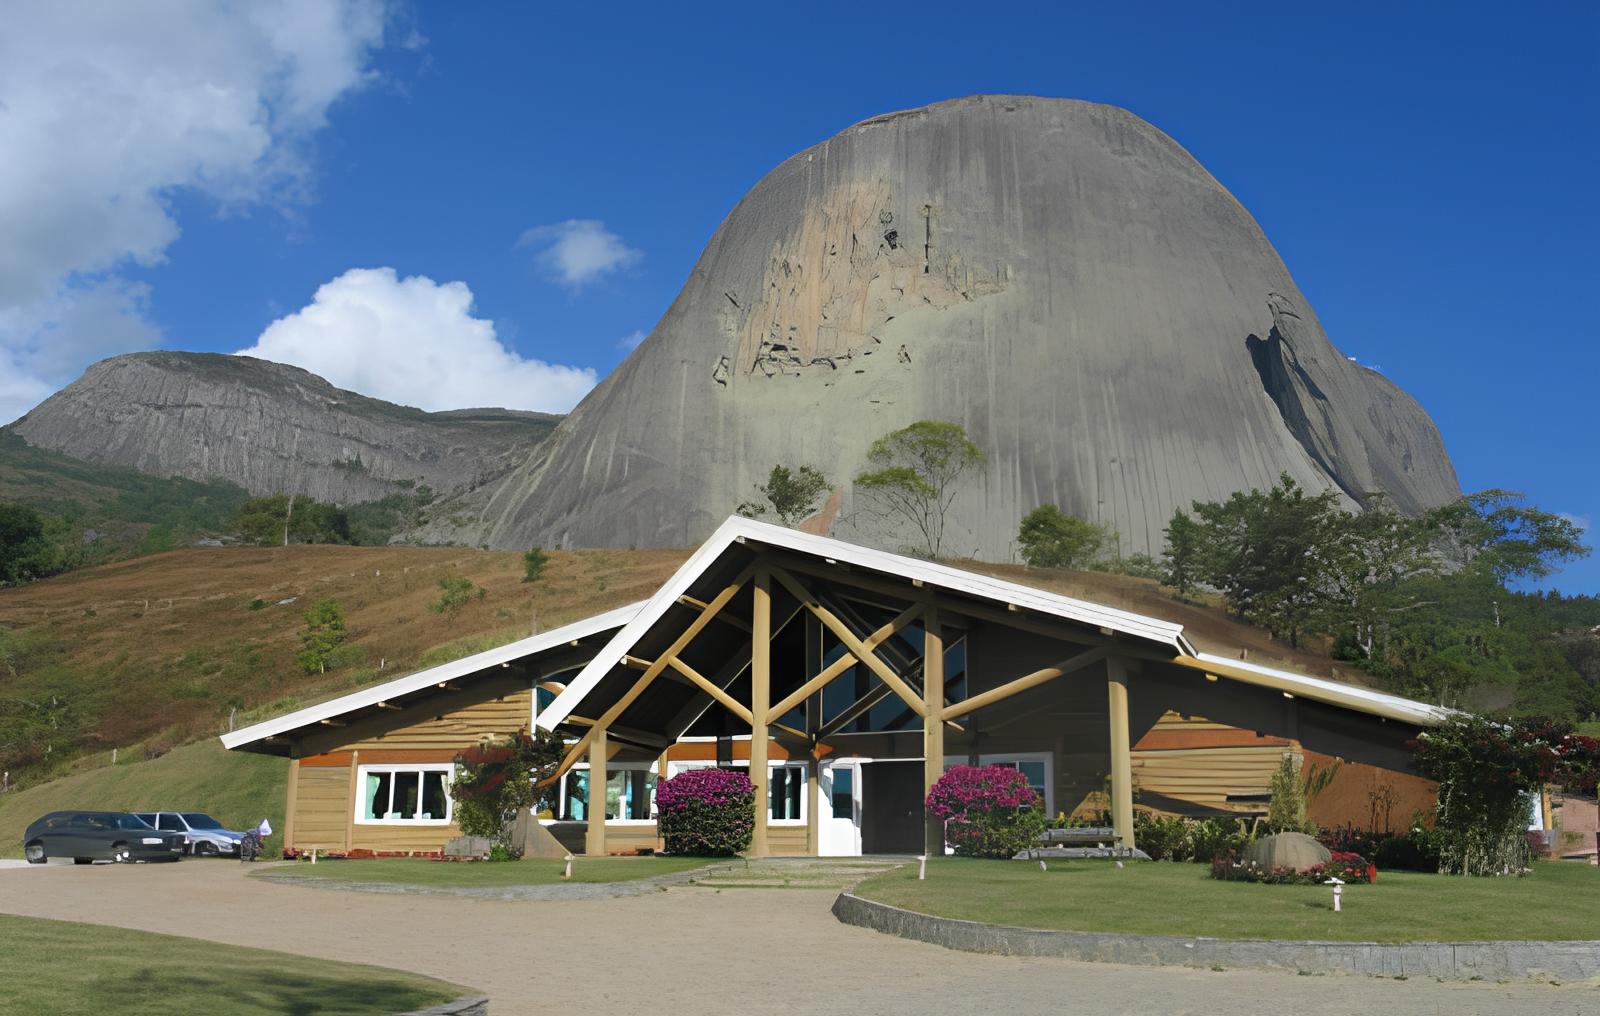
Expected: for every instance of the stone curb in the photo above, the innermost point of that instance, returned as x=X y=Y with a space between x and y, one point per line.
x=506 y=893
x=1490 y=961
x=467 y=1005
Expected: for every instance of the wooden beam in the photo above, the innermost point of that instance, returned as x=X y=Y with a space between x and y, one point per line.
x=293 y=803
x=932 y=725
x=689 y=601
x=694 y=628
x=842 y=632
x=845 y=662
x=705 y=684
x=1121 y=752
x=594 y=836
x=760 y=702
x=1021 y=684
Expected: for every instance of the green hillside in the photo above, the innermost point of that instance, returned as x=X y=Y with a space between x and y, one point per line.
x=237 y=788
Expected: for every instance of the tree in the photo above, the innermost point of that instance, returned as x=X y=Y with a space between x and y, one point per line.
x=1050 y=538
x=1182 y=564
x=498 y=778
x=914 y=476
x=533 y=563
x=25 y=552
x=323 y=634
x=283 y=519
x=454 y=592
x=1492 y=531
x=791 y=493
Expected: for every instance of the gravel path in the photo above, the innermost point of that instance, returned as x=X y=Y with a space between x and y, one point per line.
x=700 y=951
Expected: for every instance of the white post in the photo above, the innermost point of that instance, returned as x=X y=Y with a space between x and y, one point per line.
x=922 y=867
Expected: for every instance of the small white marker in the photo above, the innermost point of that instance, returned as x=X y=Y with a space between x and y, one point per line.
x=1338 y=891
x=922 y=867
x=568 y=873
x=1119 y=864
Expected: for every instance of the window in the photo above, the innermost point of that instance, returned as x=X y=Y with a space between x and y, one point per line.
x=630 y=795
x=169 y=822
x=786 y=788
x=406 y=794
x=1035 y=766
x=843 y=781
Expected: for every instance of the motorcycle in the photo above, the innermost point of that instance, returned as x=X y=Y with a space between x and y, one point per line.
x=251 y=846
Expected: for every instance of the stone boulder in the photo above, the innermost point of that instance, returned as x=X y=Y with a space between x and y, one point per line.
x=1287 y=850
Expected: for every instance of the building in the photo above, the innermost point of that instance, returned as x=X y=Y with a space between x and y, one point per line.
x=844 y=680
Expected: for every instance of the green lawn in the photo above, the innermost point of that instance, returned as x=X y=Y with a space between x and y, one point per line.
x=1558 y=901
x=57 y=968
x=238 y=788
x=420 y=871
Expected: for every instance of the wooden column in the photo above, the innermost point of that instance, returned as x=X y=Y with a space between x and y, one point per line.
x=760 y=702
x=661 y=777
x=351 y=802
x=1121 y=751
x=594 y=837
x=292 y=803
x=813 y=724
x=933 y=723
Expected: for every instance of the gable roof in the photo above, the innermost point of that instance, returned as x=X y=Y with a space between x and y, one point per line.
x=432 y=677
x=1165 y=635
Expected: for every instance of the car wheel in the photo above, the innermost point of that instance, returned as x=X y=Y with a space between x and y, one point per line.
x=120 y=853
x=205 y=849
x=34 y=852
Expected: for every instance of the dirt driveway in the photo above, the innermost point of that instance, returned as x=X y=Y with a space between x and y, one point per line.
x=701 y=952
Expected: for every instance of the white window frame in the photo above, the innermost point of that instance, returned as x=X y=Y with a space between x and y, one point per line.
x=561 y=800
x=1010 y=757
x=674 y=768
x=363 y=771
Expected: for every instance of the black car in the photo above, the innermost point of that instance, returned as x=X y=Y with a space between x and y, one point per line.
x=87 y=836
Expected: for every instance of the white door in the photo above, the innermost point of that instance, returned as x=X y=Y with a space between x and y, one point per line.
x=839 y=807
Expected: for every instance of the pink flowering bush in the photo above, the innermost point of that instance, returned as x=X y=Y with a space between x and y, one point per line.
x=988 y=811
x=706 y=812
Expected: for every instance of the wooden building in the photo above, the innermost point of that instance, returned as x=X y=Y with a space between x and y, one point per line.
x=844 y=680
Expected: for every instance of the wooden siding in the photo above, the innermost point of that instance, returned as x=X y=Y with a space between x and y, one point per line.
x=453 y=731
x=1206 y=777
x=322 y=804
x=402 y=839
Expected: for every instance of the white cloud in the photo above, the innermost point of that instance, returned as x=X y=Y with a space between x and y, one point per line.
x=106 y=110
x=631 y=341
x=414 y=341
x=578 y=251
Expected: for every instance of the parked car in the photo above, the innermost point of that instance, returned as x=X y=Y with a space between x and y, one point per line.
x=204 y=835
x=87 y=836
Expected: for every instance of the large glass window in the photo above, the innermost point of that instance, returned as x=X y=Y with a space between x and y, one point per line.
x=843 y=784
x=404 y=794
x=630 y=795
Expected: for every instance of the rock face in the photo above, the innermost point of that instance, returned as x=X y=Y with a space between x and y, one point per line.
x=1062 y=279
x=272 y=428
x=1296 y=851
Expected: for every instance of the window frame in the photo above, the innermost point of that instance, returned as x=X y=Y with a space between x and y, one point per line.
x=674 y=768
x=364 y=770
x=561 y=798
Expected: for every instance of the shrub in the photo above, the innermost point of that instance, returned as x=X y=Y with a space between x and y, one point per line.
x=455 y=591
x=1175 y=838
x=1346 y=867
x=323 y=634
x=533 y=563
x=706 y=812
x=989 y=811
x=498 y=778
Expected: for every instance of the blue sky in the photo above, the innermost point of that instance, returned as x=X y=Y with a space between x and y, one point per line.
x=1427 y=173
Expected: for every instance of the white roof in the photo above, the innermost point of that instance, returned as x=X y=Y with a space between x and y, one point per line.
x=1320 y=689
x=737 y=529
x=428 y=678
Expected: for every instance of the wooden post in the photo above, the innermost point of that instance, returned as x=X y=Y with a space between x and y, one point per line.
x=291 y=802
x=760 y=702
x=661 y=777
x=594 y=837
x=350 y=803
x=932 y=724
x=813 y=724
x=1121 y=751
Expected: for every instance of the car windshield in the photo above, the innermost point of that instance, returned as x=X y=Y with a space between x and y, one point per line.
x=199 y=821
x=132 y=822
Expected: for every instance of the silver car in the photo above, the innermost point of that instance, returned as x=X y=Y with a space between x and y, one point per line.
x=204 y=834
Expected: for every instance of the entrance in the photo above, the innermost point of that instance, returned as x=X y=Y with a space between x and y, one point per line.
x=891 y=822
x=871 y=806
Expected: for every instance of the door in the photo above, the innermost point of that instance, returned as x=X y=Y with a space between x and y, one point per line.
x=839 y=802
x=891 y=808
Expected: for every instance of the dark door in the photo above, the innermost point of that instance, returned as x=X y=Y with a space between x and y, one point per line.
x=891 y=808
